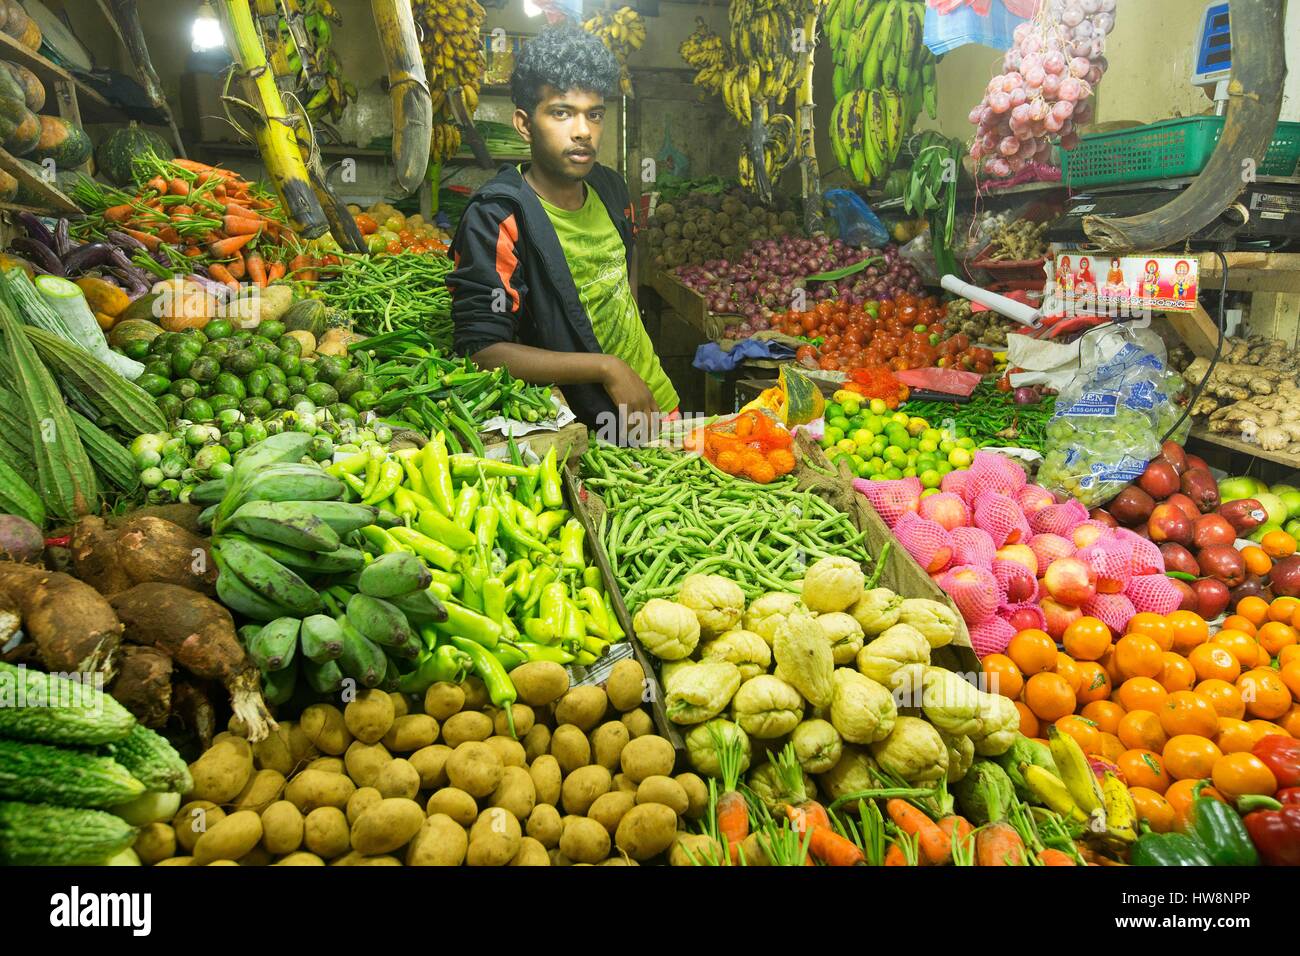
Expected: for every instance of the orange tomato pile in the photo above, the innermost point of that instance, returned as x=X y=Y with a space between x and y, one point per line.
x=751 y=444
x=1166 y=703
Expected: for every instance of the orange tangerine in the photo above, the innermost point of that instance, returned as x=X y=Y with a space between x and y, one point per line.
x=1265 y=695
x=1189 y=629
x=1283 y=609
x=1137 y=655
x=1265 y=728
x=1288 y=655
x=1105 y=714
x=1028 y=722
x=1153 y=808
x=1176 y=673
x=1186 y=712
x=1278 y=544
x=1033 y=651
x=1275 y=635
x=1236 y=775
x=1096 y=683
x=1049 y=696
x=1290 y=721
x=1236 y=622
x=1254 y=609
x=1141 y=693
x=1257 y=560
x=1180 y=794
x=1083 y=730
x=1214 y=661
x=1153 y=626
x=1144 y=768
x=1002 y=676
x=1243 y=647
x=1111 y=747
x=1086 y=639
x=1141 y=730
x=1067 y=668
x=1107 y=661
x=1235 y=736
x=1290 y=674
x=1223 y=697
x=1190 y=756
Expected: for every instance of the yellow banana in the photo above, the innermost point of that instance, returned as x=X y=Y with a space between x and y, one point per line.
x=1078 y=776
x=1052 y=792
x=1121 y=813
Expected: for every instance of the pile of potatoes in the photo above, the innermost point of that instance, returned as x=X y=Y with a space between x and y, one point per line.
x=388 y=781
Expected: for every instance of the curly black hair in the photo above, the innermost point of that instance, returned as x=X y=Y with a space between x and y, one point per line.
x=565 y=57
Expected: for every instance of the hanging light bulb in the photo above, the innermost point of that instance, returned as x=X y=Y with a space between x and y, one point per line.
x=531 y=9
x=205 y=32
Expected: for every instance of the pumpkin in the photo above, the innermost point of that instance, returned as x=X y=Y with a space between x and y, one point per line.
x=116 y=155
x=804 y=401
x=61 y=141
x=103 y=296
x=13 y=102
x=16 y=19
x=25 y=135
x=33 y=88
x=130 y=330
x=31 y=35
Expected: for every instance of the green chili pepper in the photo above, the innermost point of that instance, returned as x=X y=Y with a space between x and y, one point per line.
x=594 y=645
x=571 y=542
x=493 y=675
x=585 y=658
x=553 y=606
x=445 y=581
x=539 y=631
x=494 y=599
x=551 y=487
x=473 y=574
x=437 y=476
x=382 y=540
x=509 y=655
x=526 y=520
x=469 y=467
x=517 y=536
x=466 y=506
x=549 y=521
x=574 y=628
x=592 y=578
x=616 y=632
x=372 y=477
x=351 y=465
x=404 y=503
x=462 y=622
x=542 y=577
x=511 y=573
x=390 y=476
x=442 y=529
x=435 y=552
x=486 y=522
x=355 y=484
x=443 y=663
x=544 y=652
x=410 y=459
x=523 y=584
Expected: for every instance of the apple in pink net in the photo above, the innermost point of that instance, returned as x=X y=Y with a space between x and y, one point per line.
x=1034 y=498
x=945 y=509
x=1027 y=617
x=1088 y=533
x=1059 y=616
x=1070 y=581
x=1021 y=554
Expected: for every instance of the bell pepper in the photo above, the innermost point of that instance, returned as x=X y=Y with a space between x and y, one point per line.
x=1282 y=756
x=1275 y=828
x=493 y=675
x=571 y=542
x=433 y=524
x=466 y=506
x=437 y=475
x=435 y=552
x=1167 y=849
x=1220 y=831
x=552 y=488
x=549 y=521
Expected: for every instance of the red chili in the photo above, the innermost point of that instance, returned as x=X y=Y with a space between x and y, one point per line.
x=1282 y=756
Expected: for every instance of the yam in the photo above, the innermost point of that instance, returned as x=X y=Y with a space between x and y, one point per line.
x=583 y=707
x=386 y=826
x=697 y=794
x=316 y=788
x=326 y=729
x=540 y=682
x=626 y=685
x=494 y=839
x=193 y=820
x=440 y=841
x=570 y=746
x=547 y=779
x=150 y=549
x=300 y=858
x=263 y=789
x=475 y=768
x=638 y=723
x=369 y=716
x=455 y=803
x=536 y=742
x=74 y=628
x=282 y=828
x=229 y=839
x=398 y=779
x=431 y=764
x=143 y=684
x=544 y=825
x=362 y=799
x=199 y=634
x=582 y=787
x=185 y=516
x=93 y=547
x=364 y=762
x=408 y=734
x=583 y=840
x=326 y=833
x=646 y=830
x=510 y=752
x=155 y=842
x=476 y=695
x=665 y=790
x=607 y=743
x=523 y=717
x=531 y=853
x=443 y=700
x=647 y=756
x=608 y=809
x=516 y=792
x=466 y=726
x=223 y=770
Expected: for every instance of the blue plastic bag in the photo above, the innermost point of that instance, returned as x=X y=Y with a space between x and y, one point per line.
x=857 y=224
x=947 y=31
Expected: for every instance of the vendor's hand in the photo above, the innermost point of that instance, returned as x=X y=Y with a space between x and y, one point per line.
x=633 y=399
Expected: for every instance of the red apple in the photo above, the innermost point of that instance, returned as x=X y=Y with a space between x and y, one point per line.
x=1224 y=562
x=1059 y=616
x=1212 y=597
x=1021 y=554
x=1169 y=523
x=1184 y=504
x=1178 y=558
x=1173 y=453
x=1195 y=461
x=1070 y=581
x=1160 y=480
x=1212 y=529
x=1104 y=516
x=1191 y=602
x=1025 y=618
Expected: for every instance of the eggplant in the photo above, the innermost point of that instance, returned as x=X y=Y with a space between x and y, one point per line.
x=39 y=253
x=120 y=239
x=36 y=229
x=218 y=290
x=133 y=280
x=89 y=256
x=62 y=241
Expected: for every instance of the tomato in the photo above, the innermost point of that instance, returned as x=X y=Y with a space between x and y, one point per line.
x=805 y=352
x=829 y=364
x=809 y=323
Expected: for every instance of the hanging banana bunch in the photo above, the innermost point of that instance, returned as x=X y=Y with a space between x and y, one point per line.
x=622 y=31
x=705 y=53
x=452 y=44
x=884 y=76
x=407 y=89
x=298 y=36
x=778 y=150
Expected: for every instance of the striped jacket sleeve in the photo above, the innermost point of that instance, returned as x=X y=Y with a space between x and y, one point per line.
x=487 y=282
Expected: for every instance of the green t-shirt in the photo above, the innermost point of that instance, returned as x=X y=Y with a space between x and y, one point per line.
x=598 y=261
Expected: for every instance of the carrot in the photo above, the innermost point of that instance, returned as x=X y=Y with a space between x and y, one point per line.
x=119 y=213
x=236 y=226
x=182 y=210
x=1050 y=857
x=168 y=233
x=237 y=267
x=151 y=242
x=219 y=191
x=934 y=844
x=275 y=271
x=957 y=828
x=731 y=813
x=256 y=268
x=178 y=187
x=220 y=273
x=301 y=267
x=193 y=166
x=895 y=856
x=225 y=248
x=833 y=849
x=998 y=844
x=193 y=252
x=241 y=212
x=158 y=185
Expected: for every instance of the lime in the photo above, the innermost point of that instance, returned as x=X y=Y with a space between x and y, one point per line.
x=900 y=417
x=869 y=469
x=946 y=445
x=847 y=445
x=863 y=437
x=877 y=478
x=877 y=465
x=909 y=472
x=893 y=474
x=840 y=422
x=862 y=469
x=851 y=408
x=895 y=455
x=875 y=424
x=929 y=491
x=878 y=406
x=916 y=425
x=930 y=478
x=833 y=410
x=932 y=434
x=968 y=443
x=928 y=445
x=831 y=436
x=960 y=458
x=943 y=468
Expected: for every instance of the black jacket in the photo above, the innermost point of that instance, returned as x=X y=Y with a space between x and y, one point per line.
x=512 y=283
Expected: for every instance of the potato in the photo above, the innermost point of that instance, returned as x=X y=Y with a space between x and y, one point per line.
x=325 y=728
x=664 y=790
x=365 y=761
x=327 y=765
x=223 y=770
x=647 y=756
x=193 y=820
x=156 y=841
x=753 y=851
x=274 y=753
x=301 y=858
x=570 y=746
x=531 y=853
x=402 y=705
x=544 y=825
x=547 y=777
x=229 y=839
x=398 y=779
x=583 y=840
x=583 y=786
x=257 y=856
x=263 y=789
x=697 y=792
x=475 y=768
x=626 y=685
x=608 y=808
x=510 y=752
x=282 y=828
x=431 y=764
x=607 y=743
x=353 y=858
x=618 y=861
x=176 y=861
x=386 y=826
x=476 y=695
x=638 y=722
x=217 y=863
x=695 y=849
x=315 y=788
x=558 y=858
x=646 y=831
x=408 y=734
x=369 y=716
x=300 y=745
x=440 y=841
x=457 y=804
x=540 y=682
x=584 y=707
x=362 y=800
x=494 y=839
x=624 y=784
x=442 y=700
x=523 y=717
x=536 y=742
x=516 y=792
x=467 y=725
x=326 y=833
x=545 y=714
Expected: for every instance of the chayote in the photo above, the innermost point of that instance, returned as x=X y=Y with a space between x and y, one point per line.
x=766 y=706
x=745 y=649
x=695 y=693
x=861 y=710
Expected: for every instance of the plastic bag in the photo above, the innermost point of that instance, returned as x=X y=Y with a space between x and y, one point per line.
x=857 y=224
x=948 y=26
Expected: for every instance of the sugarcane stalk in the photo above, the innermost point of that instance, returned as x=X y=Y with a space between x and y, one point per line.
x=408 y=90
x=804 y=106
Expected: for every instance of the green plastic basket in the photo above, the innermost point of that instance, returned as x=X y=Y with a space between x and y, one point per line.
x=1168 y=150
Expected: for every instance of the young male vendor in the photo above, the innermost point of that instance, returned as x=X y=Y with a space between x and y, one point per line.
x=544 y=250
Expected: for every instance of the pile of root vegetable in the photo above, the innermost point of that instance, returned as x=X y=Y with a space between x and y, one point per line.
x=1251 y=392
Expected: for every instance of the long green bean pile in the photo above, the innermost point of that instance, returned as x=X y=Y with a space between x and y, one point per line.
x=991 y=417
x=407 y=290
x=669 y=515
